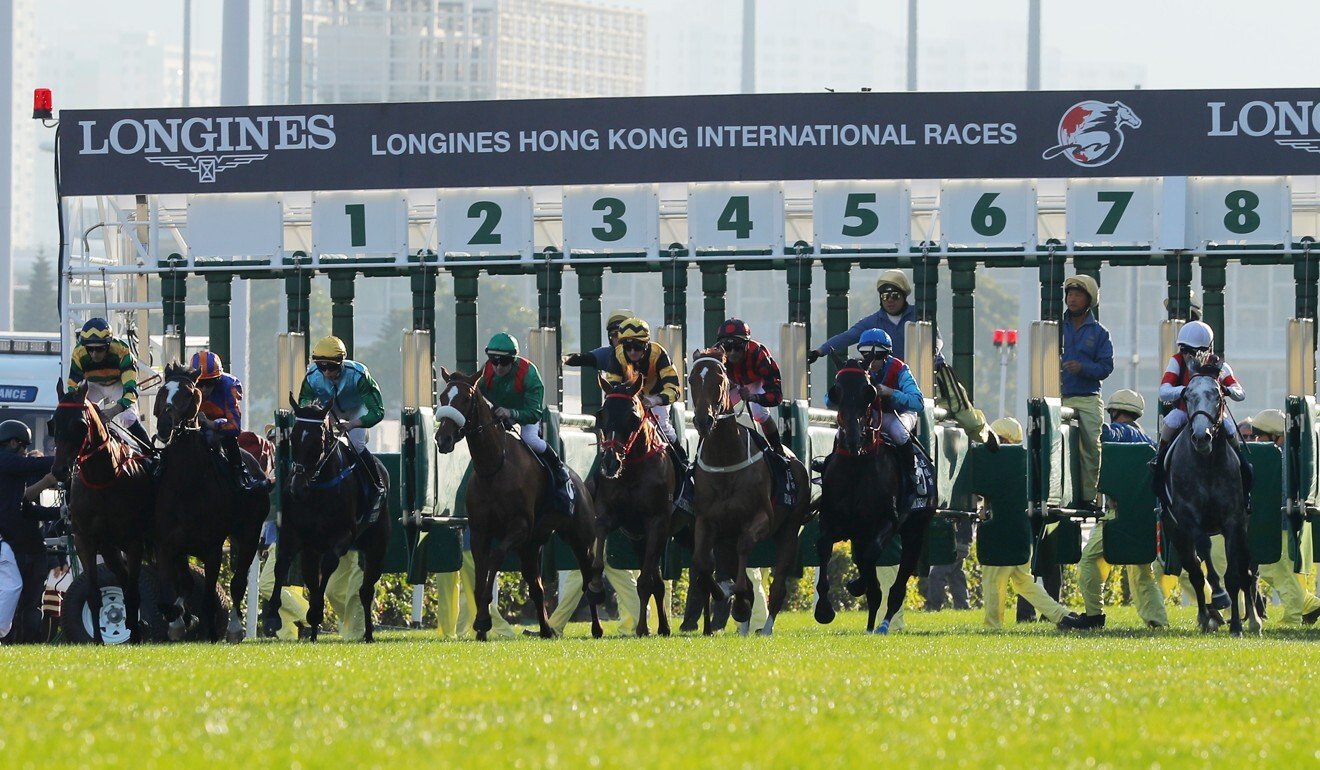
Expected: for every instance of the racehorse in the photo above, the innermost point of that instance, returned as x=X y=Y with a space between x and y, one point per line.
x=634 y=490
x=198 y=506
x=733 y=502
x=858 y=492
x=508 y=504
x=325 y=516
x=110 y=500
x=1205 y=489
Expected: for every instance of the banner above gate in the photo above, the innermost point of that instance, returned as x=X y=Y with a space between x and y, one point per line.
x=1021 y=135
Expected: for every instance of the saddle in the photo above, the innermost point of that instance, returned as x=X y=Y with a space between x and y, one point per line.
x=783 y=487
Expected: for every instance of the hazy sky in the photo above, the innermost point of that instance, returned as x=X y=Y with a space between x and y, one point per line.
x=1179 y=43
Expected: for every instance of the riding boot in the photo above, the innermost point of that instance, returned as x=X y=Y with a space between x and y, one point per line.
x=369 y=468
x=559 y=474
x=1248 y=473
x=771 y=430
x=234 y=456
x=1157 y=473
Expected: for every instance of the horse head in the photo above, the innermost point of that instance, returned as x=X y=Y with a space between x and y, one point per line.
x=1124 y=116
x=179 y=401
x=620 y=423
x=310 y=442
x=708 y=382
x=852 y=396
x=71 y=426
x=456 y=408
x=1205 y=407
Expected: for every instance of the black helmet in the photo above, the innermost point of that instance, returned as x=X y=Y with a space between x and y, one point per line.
x=15 y=429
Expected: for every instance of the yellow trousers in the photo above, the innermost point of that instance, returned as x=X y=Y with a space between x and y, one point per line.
x=293 y=599
x=570 y=594
x=1218 y=559
x=341 y=593
x=1293 y=592
x=457 y=609
x=995 y=579
x=1093 y=570
x=1090 y=419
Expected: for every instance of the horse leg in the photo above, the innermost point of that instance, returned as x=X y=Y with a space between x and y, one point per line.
x=701 y=575
x=529 y=557
x=87 y=556
x=315 y=583
x=373 y=562
x=210 y=603
x=580 y=542
x=822 y=608
x=873 y=592
x=118 y=565
x=1184 y=543
x=1239 y=579
x=242 y=550
x=482 y=582
x=592 y=583
x=1218 y=596
x=288 y=545
x=652 y=583
x=785 y=561
x=133 y=595
x=907 y=567
x=495 y=555
x=742 y=591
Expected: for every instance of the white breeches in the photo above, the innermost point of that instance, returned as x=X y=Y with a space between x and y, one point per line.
x=666 y=427
x=1177 y=418
x=898 y=427
x=759 y=412
x=358 y=436
x=531 y=436
x=105 y=395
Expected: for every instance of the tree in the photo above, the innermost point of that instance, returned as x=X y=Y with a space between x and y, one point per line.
x=37 y=309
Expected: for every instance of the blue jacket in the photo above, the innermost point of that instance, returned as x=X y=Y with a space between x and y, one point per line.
x=603 y=355
x=1089 y=345
x=878 y=320
x=1124 y=433
x=16 y=471
x=907 y=396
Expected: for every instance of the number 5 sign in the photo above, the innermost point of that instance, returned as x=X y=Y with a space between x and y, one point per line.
x=861 y=216
x=988 y=213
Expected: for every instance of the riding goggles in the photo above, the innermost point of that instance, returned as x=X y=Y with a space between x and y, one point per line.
x=890 y=294
x=634 y=347
x=1189 y=350
x=733 y=344
x=329 y=366
x=500 y=360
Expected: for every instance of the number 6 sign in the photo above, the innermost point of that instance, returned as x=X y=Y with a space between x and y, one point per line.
x=989 y=213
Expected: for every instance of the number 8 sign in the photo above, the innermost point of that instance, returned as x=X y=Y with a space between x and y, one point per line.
x=1242 y=210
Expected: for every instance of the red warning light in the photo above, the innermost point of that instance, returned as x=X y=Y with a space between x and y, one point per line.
x=42 y=104
x=1012 y=337
x=999 y=337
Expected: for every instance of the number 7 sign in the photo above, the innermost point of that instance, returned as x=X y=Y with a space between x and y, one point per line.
x=1113 y=212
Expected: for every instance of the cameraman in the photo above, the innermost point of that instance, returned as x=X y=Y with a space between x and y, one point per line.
x=23 y=564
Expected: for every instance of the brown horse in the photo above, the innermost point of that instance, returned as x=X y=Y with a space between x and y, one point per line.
x=733 y=498
x=109 y=500
x=325 y=517
x=634 y=490
x=504 y=494
x=198 y=506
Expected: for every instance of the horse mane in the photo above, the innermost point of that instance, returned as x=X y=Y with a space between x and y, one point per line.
x=1212 y=366
x=180 y=372
x=714 y=351
x=314 y=411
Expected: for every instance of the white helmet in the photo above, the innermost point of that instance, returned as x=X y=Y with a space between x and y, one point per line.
x=1196 y=335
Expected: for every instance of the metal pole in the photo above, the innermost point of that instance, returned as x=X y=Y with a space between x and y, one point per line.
x=749 y=47
x=295 y=52
x=234 y=54
x=1033 y=46
x=6 y=166
x=187 y=53
x=912 y=45
x=1003 y=381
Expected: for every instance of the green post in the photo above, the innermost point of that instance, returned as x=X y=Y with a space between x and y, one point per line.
x=714 y=284
x=837 y=281
x=1089 y=266
x=422 y=283
x=962 y=278
x=591 y=285
x=674 y=276
x=465 y=318
x=925 y=281
x=1306 y=271
x=298 y=292
x=1051 y=286
x=341 y=306
x=1178 y=274
x=799 y=293
x=219 y=291
x=550 y=313
x=1214 y=275
x=173 y=295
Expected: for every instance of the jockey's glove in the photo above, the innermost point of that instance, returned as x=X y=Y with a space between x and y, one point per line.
x=812 y=355
x=112 y=410
x=577 y=359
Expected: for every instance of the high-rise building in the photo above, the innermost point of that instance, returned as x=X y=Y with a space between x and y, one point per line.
x=440 y=50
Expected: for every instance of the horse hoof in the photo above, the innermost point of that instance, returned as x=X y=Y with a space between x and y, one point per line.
x=745 y=628
x=597 y=632
x=824 y=613
x=662 y=631
x=1219 y=600
x=688 y=628
x=177 y=630
x=643 y=632
x=855 y=587
x=234 y=637
x=882 y=629
x=742 y=610
x=481 y=636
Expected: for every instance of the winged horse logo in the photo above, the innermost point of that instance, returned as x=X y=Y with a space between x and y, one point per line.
x=207 y=166
x=1091 y=132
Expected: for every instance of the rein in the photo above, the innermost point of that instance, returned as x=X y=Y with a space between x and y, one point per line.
x=625 y=448
x=86 y=452
x=466 y=430
x=1217 y=419
x=726 y=412
x=327 y=452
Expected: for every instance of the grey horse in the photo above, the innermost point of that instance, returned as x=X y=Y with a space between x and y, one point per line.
x=1205 y=488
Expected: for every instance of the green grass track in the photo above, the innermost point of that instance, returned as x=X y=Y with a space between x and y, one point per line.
x=945 y=693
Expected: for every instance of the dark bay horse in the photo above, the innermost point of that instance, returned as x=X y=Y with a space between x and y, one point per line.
x=325 y=516
x=634 y=490
x=507 y=488
x=733 y=500
x=1205 y=488
x=198 y=507
x=859 y=491
x=110 y=500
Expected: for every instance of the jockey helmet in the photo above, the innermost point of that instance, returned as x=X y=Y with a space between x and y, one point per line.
x=1008 y=430
x=875 y=342
x=1127 y=401
x=1196 y=335
x=1270 y=422
x=96 y=332
x=1087 y=284
x=896 y=279
x=734 y=329
x=1193 y=305
x=329 y=349
x=208 y=365
x=502 y=344
x=616 y=318
x=15 y=429
x=634 y=329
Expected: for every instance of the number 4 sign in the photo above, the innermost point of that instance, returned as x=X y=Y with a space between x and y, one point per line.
x=742 y=217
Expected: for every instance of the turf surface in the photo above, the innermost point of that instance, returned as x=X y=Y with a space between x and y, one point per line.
x=944 y=693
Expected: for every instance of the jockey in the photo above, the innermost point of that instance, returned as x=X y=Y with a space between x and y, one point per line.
x=513 y=386
x=756 y=374
x=221 y=414
x=600 y=357
x=107 y=366
x=1196 y=340
x=353 y=398
x=660 y=384
x=899 y=400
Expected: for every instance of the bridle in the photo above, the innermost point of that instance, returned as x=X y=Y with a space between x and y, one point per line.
x=180 y=426
x=465 y=422
x=1216 y=419
x=725 y=410
x=327 y=451
x=870 y=434
x=89 y=449
x=644 y=427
